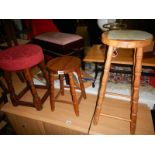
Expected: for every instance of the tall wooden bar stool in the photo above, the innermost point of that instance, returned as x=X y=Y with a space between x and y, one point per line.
x=133 y=39
x=21 y=59
x=61 y=66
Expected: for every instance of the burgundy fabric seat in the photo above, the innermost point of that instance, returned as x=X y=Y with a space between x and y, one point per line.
x=22 y=58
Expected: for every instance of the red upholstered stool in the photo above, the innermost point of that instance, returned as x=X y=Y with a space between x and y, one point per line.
x=23 y=58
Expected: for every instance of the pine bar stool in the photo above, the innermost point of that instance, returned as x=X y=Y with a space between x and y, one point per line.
x=133 y=39
x=61 y=66
x=22 y=58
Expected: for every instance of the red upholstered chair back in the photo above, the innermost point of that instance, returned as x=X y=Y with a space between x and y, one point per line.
x=39 y=26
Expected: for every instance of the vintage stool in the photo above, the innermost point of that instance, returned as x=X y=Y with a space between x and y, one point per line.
x=21 y=59
x=133 y=39
x=66 y=65
x=61 y=44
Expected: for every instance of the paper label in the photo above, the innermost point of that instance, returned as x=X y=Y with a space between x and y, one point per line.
x=60 y=72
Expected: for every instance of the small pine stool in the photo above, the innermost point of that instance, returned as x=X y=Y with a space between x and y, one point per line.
x=133 y=39
x=61 y=66
x=21 y=59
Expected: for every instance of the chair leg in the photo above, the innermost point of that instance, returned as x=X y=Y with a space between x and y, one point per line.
x=103 y=85
x=96 y=73
x=73 y=93
x=44 y=71
x=62 y=84
x=36 y=99
x=3 y=87
x=20 y=76
x=82 y=55
x=135 y=89
x=81 y=83
x=8 y=79
x=52 y=98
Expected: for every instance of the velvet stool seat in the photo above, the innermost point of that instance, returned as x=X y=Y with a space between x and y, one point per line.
x=22 y=58
x=61 y=66
x=61 y=44
x=128 y=39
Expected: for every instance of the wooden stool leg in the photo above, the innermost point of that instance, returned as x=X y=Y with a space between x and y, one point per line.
x=20 y=76
x=3 y=87
x=36 y=99
x=103 y=84
x=82 y=55
x=52 y=102
x=135 y=90
x=73 y=93
x=133 y=67
x=8 y=79
x=44 y=71
x=62 y=84
x=81 y=83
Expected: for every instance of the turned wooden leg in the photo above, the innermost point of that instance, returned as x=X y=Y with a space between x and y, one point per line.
x=45 y=73
x=82 y=55
x=135 y=89
x=133 y=67
x=20 y=76
x=61 y=84
x=103 y=85
x=2 y=85
x=73 y=93
x=81 y=83
x=8 y=79
x=36 y=99
x=52 y=102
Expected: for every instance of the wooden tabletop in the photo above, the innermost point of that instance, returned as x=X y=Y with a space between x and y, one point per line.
x=97 y=54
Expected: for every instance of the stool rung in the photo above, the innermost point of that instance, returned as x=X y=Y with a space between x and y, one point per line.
x=117 y=94
x=21 y=94
x=41 y=87
x=63 y=101
x=57 y=95
x=79 y=99
x=45 y=96
x=116 y=117
x=69 y=87
x=25 y=103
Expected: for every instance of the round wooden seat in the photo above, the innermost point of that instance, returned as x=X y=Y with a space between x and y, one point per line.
x=61 y=66
x=22 y=58
x=66 y=64
x=124 y=39
x=127 y=38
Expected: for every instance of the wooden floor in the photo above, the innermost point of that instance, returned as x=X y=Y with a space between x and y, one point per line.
x=64 y=116
x=112 y=126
